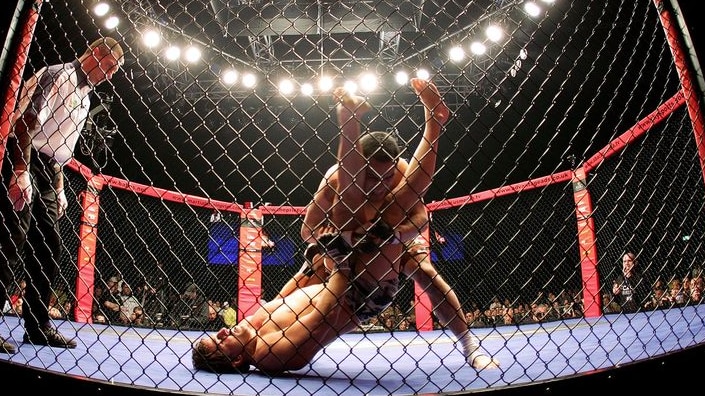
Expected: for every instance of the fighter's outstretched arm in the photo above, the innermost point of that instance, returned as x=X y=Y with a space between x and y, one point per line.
x=422 y=167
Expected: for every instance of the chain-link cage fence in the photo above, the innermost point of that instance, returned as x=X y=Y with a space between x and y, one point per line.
x=571 y=141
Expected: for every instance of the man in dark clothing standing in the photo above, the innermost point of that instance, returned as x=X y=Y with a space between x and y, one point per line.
x=52 y=110
x=630 y=289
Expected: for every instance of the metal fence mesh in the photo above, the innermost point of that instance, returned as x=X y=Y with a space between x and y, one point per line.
x=544 y=99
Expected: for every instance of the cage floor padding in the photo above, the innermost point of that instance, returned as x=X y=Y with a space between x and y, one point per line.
x=397 y=363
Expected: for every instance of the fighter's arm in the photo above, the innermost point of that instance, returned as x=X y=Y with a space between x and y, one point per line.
x=339 y=194
x=299 y=280
x=306 y=331
x=312 y=272
x=316 y=215
x=349 y=190
x=416 y=222
x=419 y=174
x=20 y=153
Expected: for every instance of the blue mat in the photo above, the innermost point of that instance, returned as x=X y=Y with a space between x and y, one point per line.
x=397 y=363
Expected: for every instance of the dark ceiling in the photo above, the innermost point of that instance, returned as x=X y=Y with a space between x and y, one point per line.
x=588 y=78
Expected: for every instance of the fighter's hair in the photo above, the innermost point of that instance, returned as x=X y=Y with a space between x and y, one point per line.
x=380 y=146
x=215 y=362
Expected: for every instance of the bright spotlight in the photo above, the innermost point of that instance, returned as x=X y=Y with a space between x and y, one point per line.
x=101 y=8
x=172 y=53
x=368 y=82
x=423 y=74
x=523 y=54
x=494 y=33
x=307 y=89
x=112 y=22
x=532 y=9
x=456 y=54
x=286 y=87
x=151 y=38
x=325 y=83
x=193 y=54
x=350 y=87
x=478 y=48
x=401 y=77
x=249 y=80
x=229 y=76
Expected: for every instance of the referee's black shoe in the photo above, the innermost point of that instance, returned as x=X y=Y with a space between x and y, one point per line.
x=48 y=336
x=6 y=347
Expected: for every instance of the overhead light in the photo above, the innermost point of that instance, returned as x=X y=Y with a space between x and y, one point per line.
x=368 y=82
x=456 y=53
x=192 y=54
x=151 y=38
x=478 y=48
x=249 y=80
x=532 y=9
x=286 y=87
x=229 y=76
x=401 y=77
x=350 y=87
x=494 y=33
x=307 y=89
x=101 y=8
x=325 y=83
x=112 y=22
x=423 y=74
x=172 y=53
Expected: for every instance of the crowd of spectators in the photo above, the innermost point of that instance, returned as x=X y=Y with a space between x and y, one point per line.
x=156 y=303
x=499 y=312
x=160 y=306
x=678 y=291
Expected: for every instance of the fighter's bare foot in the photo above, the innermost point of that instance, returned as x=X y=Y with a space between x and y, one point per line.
x=481 y=362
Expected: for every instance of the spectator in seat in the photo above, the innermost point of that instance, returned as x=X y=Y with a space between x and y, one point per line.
x=630 y=289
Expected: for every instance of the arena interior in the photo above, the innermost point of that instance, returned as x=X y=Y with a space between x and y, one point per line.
x=576 y=135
